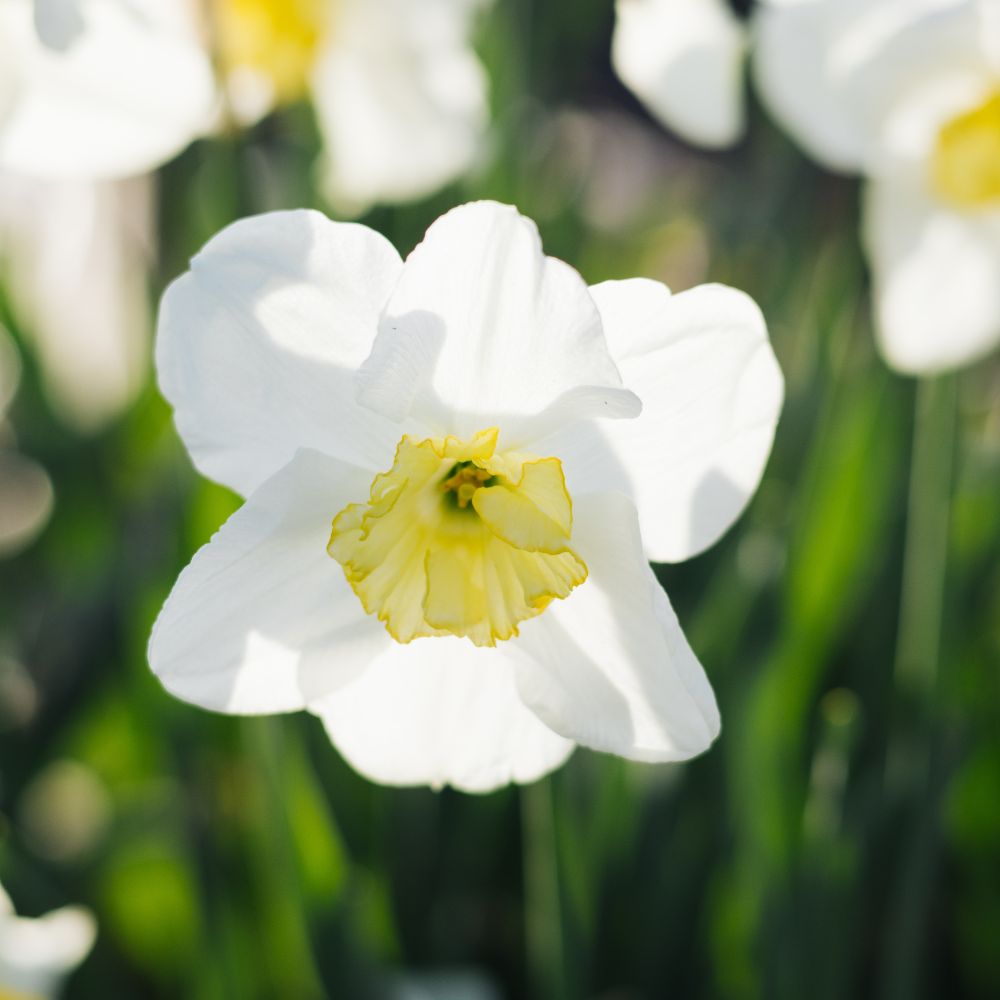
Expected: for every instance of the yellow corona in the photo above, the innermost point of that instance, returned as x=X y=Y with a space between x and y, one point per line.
x=460 y=539
x=275 y=38
x=966 y=162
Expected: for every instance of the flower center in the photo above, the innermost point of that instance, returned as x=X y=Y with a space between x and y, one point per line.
x=459 y=539
x=966 y=164
x=276 y=38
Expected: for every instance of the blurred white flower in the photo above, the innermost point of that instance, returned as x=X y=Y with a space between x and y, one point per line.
x=37 y=954
x=91 y=92
x=907 y=94
x=74 y=254
x=400 y=97
x=100 y=88
x=469 y=421
x=684 y=60
x=25 y=488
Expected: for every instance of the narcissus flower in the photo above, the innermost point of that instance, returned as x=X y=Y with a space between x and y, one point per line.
x=93 y=95
x=74 y=253
x=907 y=94
x=400 y=96
x=684 y=60
x=37 y=954
x=100 y=88
x=455 y=471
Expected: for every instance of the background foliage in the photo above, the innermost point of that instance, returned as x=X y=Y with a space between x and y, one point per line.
x=841 y=839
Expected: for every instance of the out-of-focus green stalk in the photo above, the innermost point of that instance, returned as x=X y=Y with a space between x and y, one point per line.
x=287 y=909
x=543 y=918
x=926 y=556
x=911 y=780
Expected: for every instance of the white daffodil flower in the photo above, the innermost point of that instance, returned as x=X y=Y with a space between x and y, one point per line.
x=907 y=94
x=400 y=97
x=93 y=95
x=37 y=954
x=452 y=491
x=684 y=60
x=100 y=88
x=74 y=254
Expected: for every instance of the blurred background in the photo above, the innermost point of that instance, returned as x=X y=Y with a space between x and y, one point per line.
x=842 y=837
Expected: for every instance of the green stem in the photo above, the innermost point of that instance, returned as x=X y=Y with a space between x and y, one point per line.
x=285 y=909
x=543 y=923
x=926 y=555
x=913 y=782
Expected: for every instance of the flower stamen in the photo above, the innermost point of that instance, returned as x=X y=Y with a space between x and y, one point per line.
x=467 y=478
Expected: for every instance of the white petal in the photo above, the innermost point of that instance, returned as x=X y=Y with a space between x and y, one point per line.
x=989 y=12
x=792 y=69
x=35 y=954
x=711 y=392
x=100 y=89
x=440 y=712
x=609 y=667
x=937 y=277
x=263 y=620
x=833 y=71
x=257 y=345
x=76 y=254
x=401 y=99
x=915 y=122
x=483 y=326
x=684 y=60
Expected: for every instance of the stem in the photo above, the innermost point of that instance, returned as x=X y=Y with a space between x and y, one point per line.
x=287 y=912
x=913 y=776
x=543 y=923
x=926 y=555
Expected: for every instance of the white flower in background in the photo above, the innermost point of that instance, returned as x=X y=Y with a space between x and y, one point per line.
x=400 y=96
x=452 y=493
x=74 y=254
x=25 y=488
x=100 y=88
x=93 y=94
x=907 y=94
x=37 y=954
x=684 y=60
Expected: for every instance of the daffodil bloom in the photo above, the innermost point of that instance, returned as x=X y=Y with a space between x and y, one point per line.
x=684 y=60
x=400 y=97
x=455 y=471
x=907 y=94
x=93 y=95
x=100 y=88
x=74 y=253
x=36 y=954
